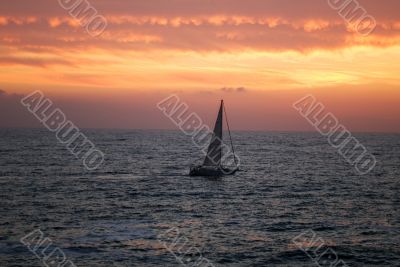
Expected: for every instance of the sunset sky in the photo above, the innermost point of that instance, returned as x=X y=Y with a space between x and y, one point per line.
x=259 y=55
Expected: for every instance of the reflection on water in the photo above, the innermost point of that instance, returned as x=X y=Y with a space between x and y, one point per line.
x=289 y=183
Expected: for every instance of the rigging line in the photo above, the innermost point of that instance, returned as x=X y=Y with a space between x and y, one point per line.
x=230 y=137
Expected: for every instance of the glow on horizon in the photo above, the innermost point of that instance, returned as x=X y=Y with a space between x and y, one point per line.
x=176 y=70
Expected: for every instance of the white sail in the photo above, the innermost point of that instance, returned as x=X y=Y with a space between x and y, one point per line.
x=214 y=153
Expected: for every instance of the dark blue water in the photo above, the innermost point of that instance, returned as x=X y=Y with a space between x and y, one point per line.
x=290 y=183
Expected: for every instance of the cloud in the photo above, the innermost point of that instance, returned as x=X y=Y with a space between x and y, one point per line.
x=35 y=62
x=224 y=33
x=196 y=25
x=234 y=89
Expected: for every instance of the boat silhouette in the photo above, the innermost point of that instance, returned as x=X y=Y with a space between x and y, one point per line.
x=212 y=165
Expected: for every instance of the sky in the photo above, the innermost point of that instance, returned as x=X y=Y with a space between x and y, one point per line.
x=260 y=56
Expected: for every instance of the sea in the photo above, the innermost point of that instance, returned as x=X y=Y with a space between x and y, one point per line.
x=294 y=202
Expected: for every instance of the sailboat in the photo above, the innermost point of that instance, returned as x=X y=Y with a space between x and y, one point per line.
x=212 y=165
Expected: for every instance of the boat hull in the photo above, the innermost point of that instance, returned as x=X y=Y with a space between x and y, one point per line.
x=210 y=171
